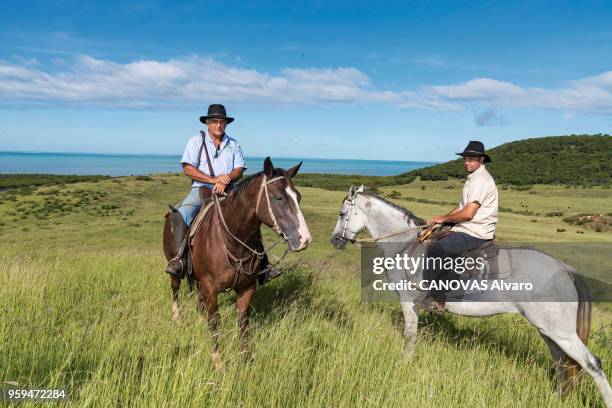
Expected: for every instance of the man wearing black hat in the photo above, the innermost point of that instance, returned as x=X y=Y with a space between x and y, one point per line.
x=474 y=220
x=227 y=163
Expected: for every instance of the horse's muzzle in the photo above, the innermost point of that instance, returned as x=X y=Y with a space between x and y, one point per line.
x=339 y=242
x=299 y=243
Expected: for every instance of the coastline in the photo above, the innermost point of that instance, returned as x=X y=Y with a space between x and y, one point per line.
x=66 y=163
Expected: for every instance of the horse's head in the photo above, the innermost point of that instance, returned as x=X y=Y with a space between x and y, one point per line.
x=278 y=205
x=350 y=221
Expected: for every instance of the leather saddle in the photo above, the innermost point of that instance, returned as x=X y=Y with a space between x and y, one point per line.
x=488 y=251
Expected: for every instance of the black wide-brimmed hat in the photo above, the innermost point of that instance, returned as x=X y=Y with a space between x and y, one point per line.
x=475 y=149
x=216 y=111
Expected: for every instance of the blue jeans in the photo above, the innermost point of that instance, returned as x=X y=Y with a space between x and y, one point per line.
x=454 y=244
x=190 y=205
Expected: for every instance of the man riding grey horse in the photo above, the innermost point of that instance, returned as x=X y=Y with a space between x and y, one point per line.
x=227 y=164
x=474 y=221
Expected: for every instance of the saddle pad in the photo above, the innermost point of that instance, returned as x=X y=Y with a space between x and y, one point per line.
x=198 y=220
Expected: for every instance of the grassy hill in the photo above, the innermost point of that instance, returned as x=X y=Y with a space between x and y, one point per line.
x=569 y=160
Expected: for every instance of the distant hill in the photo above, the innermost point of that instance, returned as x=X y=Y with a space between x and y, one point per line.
x=570 y=160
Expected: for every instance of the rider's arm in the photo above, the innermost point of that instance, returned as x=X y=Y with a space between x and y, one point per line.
x=195 y=174
x=236 y=174
x=465 y=214
x=454 y=210
x=438 y=219
x=239 y=167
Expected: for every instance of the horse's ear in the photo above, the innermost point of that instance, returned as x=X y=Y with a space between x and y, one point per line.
x=268 y=167
x=359 y=190
x=352 y=192
x=294 y=170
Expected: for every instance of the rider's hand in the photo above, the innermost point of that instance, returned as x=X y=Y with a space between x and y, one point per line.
x=219 y=188
x=438 y=219
x=223 y=179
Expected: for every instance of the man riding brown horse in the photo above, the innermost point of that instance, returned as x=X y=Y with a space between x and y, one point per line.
x=226 y=255
x=227 y=166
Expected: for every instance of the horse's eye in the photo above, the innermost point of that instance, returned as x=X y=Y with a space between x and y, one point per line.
x=341 y=214
x=279 y=197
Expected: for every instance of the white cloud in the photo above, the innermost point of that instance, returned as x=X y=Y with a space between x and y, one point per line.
x=479 y=89
x=190 y=81
x=179 y=82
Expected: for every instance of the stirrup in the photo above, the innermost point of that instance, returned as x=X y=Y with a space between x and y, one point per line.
x=176 y=267
x=267 y=274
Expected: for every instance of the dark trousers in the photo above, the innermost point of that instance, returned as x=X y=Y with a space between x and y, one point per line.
x=451 y=246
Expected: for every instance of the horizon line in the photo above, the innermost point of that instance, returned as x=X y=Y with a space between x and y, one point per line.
x=178 y=155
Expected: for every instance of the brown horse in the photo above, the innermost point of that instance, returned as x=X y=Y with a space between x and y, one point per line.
x=226 y=251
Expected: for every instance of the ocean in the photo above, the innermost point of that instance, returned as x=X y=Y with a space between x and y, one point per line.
x=127 y=164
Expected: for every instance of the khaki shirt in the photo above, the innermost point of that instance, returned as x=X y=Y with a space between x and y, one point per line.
x=480 y=188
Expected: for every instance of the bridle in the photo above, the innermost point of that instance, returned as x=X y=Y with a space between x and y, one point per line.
x=346 y=220
x=343 y=237
x=264 y=189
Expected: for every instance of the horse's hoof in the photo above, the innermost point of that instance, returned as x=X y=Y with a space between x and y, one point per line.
x=217 y=360
x=176 y=312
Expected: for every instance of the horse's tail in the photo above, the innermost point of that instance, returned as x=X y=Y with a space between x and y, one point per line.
x=583 y=326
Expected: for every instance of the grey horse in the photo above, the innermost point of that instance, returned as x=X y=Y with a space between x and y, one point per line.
x=564 y=325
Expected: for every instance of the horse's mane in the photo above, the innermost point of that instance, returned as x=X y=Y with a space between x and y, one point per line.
x=243 y=184
x=409 y=215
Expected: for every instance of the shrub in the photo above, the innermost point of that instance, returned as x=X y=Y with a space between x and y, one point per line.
x=553 y=214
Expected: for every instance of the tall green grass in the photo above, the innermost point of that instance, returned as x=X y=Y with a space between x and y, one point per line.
x=86 y=306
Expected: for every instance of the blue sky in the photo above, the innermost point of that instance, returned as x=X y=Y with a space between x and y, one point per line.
x=370 y=80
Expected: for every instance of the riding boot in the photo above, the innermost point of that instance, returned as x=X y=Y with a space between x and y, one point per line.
x=178 y=265
x=267 y=273
x=433 y=300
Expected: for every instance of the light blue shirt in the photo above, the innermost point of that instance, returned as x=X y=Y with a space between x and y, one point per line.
x=223 y=161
